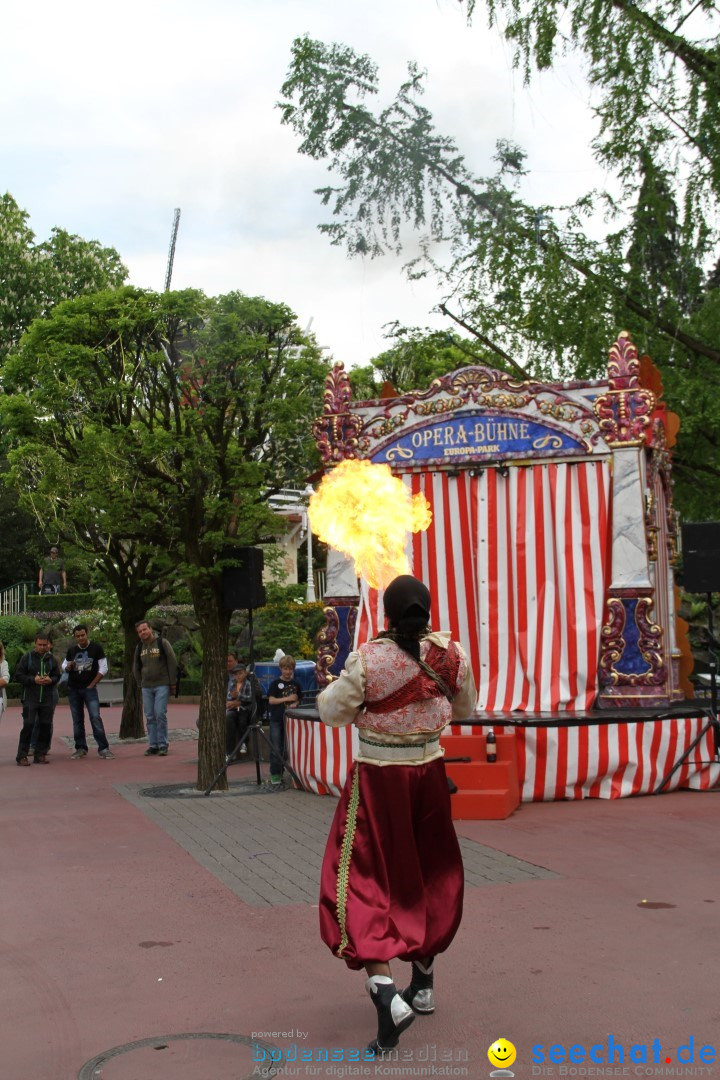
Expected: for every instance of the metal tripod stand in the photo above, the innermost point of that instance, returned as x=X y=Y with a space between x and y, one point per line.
x=254 y=731
x=711 y=713
x=252 y=735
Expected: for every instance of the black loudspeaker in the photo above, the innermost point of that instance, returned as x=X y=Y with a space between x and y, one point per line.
x=701 y=557
x=243 y=584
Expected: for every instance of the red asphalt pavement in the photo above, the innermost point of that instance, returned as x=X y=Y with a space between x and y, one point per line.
x=111 y=933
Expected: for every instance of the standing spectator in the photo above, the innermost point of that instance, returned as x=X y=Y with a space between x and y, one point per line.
x=4 y=679
x=51 y=575
x=155 y=671
x=86 y=665
x=281 y=693
x=38 y=673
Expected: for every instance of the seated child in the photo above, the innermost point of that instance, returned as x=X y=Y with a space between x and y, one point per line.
x=238 y=709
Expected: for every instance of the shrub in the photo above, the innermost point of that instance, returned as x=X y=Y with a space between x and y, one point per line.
x=17 y=633
x=288 y=623
x=189 y=687
x=103 y=627
x=64 y=601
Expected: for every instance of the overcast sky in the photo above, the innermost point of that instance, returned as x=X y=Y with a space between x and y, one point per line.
x=111 y=115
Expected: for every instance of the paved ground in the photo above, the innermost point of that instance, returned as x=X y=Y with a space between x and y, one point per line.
x=267 y=846
x=158 y=935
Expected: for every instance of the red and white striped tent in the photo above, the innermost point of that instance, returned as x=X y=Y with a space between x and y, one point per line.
x=549 y=557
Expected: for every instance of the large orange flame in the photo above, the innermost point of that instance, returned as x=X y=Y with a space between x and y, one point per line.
x=364 y=511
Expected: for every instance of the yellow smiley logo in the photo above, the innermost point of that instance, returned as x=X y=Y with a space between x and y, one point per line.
x=502 y=1053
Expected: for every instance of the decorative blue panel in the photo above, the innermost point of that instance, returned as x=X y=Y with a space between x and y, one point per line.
x=345 y=637
x=632 y=661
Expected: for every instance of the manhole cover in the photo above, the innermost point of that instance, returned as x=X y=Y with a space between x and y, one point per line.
x=185 y=1057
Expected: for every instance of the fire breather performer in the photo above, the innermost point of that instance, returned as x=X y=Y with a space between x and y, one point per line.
x=392 y=876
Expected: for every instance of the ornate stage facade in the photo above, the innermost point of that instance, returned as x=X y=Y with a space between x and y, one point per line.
x=550 y=557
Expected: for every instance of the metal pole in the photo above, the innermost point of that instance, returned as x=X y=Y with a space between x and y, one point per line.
x=713 y=656
x=171 y=252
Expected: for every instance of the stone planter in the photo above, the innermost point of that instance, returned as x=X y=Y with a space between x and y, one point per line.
x=111 y=691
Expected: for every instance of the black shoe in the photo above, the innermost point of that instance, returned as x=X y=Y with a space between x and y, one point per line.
x=394 y=1015
x=419 y=994
x=151 y=750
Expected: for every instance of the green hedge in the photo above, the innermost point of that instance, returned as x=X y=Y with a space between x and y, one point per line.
x=64 y=601
x=189 y=687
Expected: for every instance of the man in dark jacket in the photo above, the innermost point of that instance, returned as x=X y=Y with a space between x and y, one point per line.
x=38 y=673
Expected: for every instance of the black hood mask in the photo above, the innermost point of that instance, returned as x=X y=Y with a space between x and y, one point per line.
x=407 y=607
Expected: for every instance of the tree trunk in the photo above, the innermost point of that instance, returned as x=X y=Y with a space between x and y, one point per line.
x=214 y=624
x=131 y=725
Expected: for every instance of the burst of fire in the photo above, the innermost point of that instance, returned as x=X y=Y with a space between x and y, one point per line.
x=364 y=511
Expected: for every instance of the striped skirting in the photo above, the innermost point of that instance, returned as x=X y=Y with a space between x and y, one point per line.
x=599 y=761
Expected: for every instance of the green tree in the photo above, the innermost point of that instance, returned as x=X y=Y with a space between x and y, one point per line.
x=413 y=361
x=527 y=277
x=22 y=539
x=68 y=469
x=655 y=67
x=528 y=281
x=189 y=412
x=35 y=276
x=660 y=269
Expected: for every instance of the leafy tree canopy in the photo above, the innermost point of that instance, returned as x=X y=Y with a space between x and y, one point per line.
x=164 y=422
x=655 y=66
x=34 y=277
x=527 y=280
x=413 y=361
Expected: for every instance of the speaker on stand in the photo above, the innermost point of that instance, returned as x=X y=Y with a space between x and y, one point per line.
x=243 y=588
x=243 y=584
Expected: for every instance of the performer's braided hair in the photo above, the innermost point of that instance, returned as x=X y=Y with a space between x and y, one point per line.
x=407 y=634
